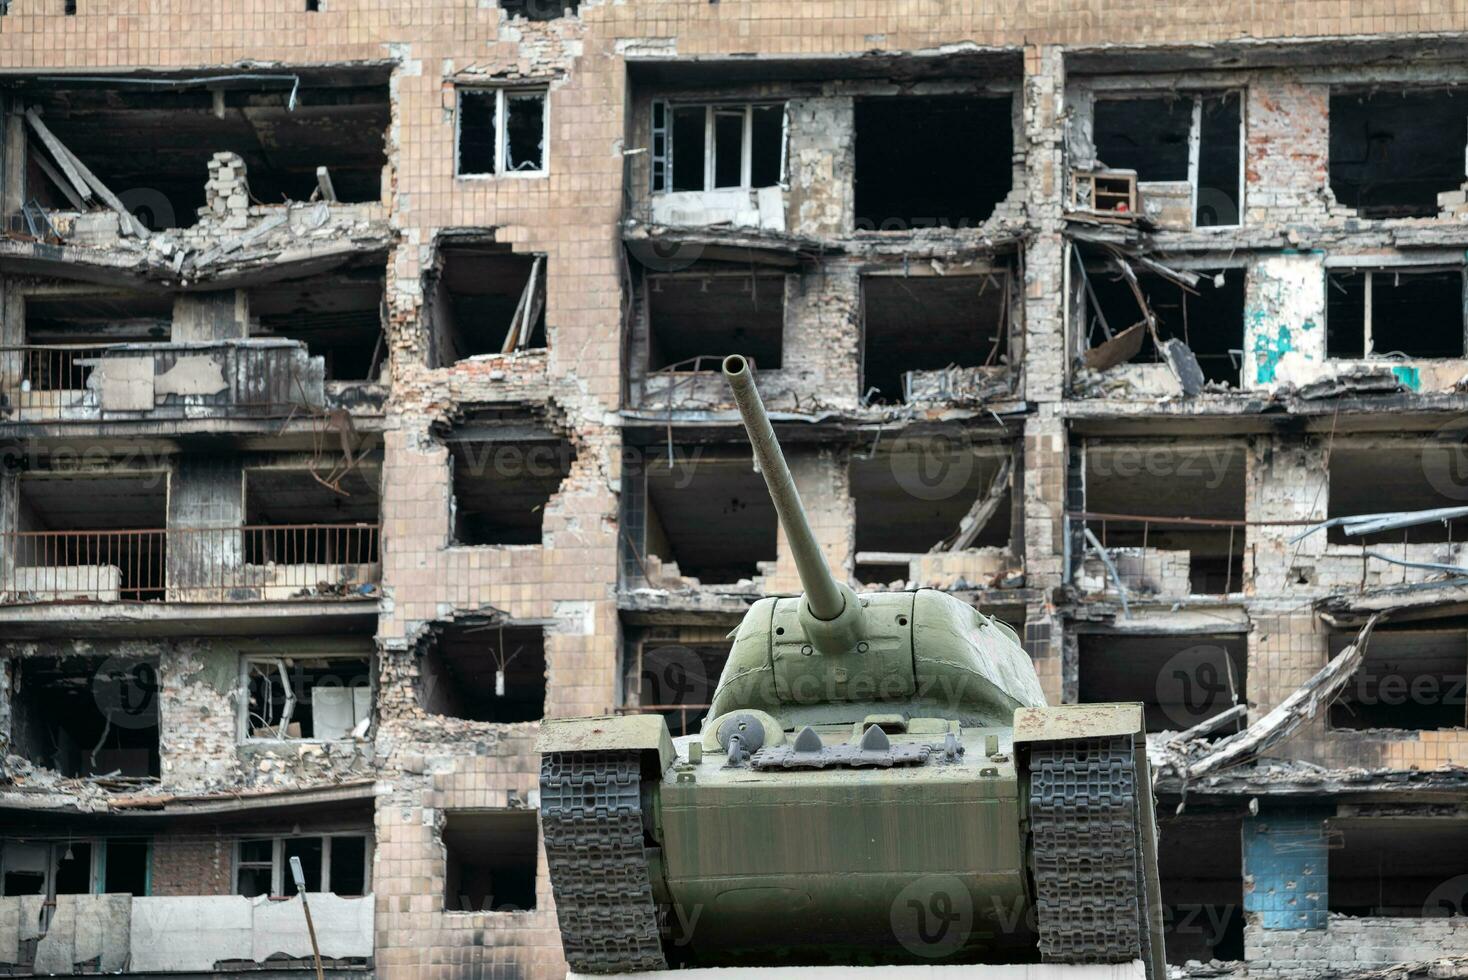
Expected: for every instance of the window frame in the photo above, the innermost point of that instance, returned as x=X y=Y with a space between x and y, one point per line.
x=247 y=660
x=1195 y=139
x=662 y=169
x=96 y=872
x=502 y=95
x=1345 y=266
x=279 y=871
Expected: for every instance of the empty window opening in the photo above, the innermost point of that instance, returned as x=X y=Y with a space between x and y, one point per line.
x=1390 y=478
x=502 y=131
x=151 y=144
x=540 y=9
x=1181 y=680
x=1403 y=868
x=672 y=671
x=1200 y=862
x=294 y=518
x=323 y=698
x=707 y=515
x=88 y=716
x=712 y=147
x=1409 y=679
x=490 y=860
x=932 y=161
x=913 y=496
x=313 y=6
x=502 y=487
x=334 y=863
x=484 y=298
x=74 y=866
x=62 y=331
x=1134 y=495
x=1392 y=153
x=339 y=317
x=1192 y=139
x=1413 y=312
x=695 y=319
x=66 y=547
x=485 y=672
x=1208 y=318
x=927 y=323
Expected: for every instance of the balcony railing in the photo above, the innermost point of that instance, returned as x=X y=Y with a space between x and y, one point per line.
x=259 y=378
x=226 y=564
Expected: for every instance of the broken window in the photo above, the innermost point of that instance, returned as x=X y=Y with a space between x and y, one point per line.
x=485 y=672
x=484 y=298
x=1207 y=317
x=1412 y=679
x=672 y=671
x=334 y=863
x=932 y=161
x=490 y=860
x=1372 y=479
x=322 y=698
x=929 y=323
x=1201 y=866
x=295 y=517
x=338 y=316
x=916 y=496
x=505 y=473
x=1393 y=152
x=1401 y=867
x=1189 y=141
x=87 y=716
x=704 y=513
x=1181 y=680
x=711 y=147
x=75 y=866
x=63 y=328
x=539 y=9
x=1412 y=312
x=149 y=142
x=695 y=319
x=502 y=131
x=1170 y=517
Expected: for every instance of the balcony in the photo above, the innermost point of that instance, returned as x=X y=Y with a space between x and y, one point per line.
x=189 y=934
x=191 y=565
x=159 y=381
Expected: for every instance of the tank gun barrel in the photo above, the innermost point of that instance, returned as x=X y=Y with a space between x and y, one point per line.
x=822 y=594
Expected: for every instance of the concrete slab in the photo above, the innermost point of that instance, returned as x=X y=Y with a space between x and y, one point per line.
x=1009 y=971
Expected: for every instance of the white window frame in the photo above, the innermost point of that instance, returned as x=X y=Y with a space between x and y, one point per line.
x=712 y=110
x=243 y=714
x=279 y=872
x=96 y=873
x=502 y=95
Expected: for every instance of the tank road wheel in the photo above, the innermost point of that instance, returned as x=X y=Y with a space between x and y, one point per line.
x=1092 y=854
x=591 y=818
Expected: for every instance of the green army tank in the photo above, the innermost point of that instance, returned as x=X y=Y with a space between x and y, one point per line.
x=878 y=780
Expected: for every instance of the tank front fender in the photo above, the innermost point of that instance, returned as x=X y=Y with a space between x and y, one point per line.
x=1063 y=722
x=609 y=733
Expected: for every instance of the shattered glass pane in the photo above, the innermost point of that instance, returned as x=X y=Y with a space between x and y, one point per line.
x=525 y=132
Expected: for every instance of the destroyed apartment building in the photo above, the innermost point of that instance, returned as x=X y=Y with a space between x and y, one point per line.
x=360 y=408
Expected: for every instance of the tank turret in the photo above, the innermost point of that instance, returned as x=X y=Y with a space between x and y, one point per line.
x=867 y=758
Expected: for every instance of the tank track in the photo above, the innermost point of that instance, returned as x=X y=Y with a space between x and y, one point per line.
x=591 y=818
x=1089 y=866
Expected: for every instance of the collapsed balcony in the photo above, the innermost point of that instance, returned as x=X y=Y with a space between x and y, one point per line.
x=140 y=145
x=928 y=338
